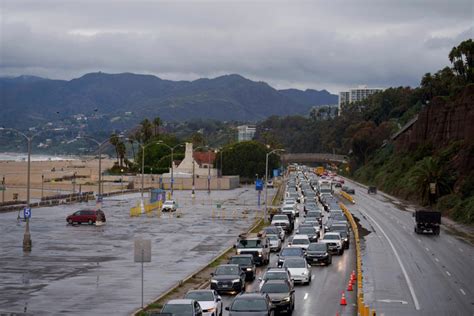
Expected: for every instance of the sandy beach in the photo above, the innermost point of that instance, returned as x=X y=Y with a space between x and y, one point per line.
x=53 y=173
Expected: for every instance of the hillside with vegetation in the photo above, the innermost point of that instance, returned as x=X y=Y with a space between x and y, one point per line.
x=431 y=159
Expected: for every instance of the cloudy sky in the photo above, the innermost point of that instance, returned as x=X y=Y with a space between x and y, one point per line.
x=304 y=44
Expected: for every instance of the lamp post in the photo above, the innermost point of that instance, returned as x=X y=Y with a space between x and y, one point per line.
x=266 y=179
x=208 y=171
x=99 y=144
x=121 y=180
x=3 y=189
x=192 y=192
x=160 y=142
x=27 y=244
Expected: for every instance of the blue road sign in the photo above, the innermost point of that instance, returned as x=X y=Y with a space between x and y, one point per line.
x=259 y=185
x=27 y=212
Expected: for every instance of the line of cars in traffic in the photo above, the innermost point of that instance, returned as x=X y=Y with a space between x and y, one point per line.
x=313 y=241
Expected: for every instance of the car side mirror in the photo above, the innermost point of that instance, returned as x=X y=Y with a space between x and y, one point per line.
x=227 y=308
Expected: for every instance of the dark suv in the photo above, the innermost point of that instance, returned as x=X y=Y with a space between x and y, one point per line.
x=84 y=216
x=228 y=278
x=318 y=253
x=246 y=264
x=255 y=304
x=281 y=293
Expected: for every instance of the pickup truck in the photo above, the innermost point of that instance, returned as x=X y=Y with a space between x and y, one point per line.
x=427 y=221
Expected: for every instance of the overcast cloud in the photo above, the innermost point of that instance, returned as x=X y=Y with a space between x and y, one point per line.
x=304 y=44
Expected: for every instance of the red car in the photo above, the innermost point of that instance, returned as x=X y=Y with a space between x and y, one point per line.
x=84 y=216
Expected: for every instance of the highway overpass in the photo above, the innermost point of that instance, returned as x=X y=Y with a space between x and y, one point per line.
x=308 y=158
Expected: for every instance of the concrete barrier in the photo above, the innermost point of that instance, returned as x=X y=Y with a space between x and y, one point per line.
x=362 y=308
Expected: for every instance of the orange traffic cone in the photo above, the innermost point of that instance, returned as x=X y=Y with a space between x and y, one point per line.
x=349 y=286
x=343 y=299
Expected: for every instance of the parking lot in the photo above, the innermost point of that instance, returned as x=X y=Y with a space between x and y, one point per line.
x=84 y=269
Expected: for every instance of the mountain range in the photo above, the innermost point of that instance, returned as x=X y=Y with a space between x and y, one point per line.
x=27 y=100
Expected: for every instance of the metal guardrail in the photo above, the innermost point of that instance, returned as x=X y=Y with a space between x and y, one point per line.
x=362 y=308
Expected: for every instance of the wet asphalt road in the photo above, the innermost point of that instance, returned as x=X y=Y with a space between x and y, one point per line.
x=322 y=296
x=89 y=270
x=406 y=273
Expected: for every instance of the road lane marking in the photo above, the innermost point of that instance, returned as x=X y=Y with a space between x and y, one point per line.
x=393 y=301
x=447 y=272
x=460 y=249
x=462 y=291
x=419 y=240
x=436 y=259
x=407 y=278
x=427 y=249
x=305 y=296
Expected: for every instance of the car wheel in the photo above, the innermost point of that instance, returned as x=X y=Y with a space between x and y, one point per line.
x=70 y=222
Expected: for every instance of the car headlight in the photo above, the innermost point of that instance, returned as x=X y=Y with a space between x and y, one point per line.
x=305 y=272
x=259 y=254
x=213 y=281
x=238 y=251
x=235 y=280
x=210 y=310
x=345 y=239
x=249 y=269
x=287 y=299
x=325 y=254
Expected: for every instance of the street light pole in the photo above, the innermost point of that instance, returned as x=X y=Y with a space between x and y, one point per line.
x=192 y=192
x=143 y=169
x=42 y=185
x=160 y=142
x=266 y=180
x=208 y=171
x=27 y=243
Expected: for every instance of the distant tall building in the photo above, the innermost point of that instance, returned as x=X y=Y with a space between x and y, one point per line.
x=245 y=132
x=355 y=94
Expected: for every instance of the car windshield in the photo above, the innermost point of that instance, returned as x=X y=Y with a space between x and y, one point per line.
x=249 y=305
x=227 y=270
x=240 y=260
x=317 y=247
x=306 y=230
x=300 y=241
x=280 y=287
x=200 y=296
x=253 y=243
x=294 y=263
x=288 y=208
x=275 y=276
x=291 y=252
x=272 y=237
x=272 y=230
x=178 y=309
x=331 y=237
x=280 y=218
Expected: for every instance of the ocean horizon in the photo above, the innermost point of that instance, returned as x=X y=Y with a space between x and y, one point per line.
x=9 y=156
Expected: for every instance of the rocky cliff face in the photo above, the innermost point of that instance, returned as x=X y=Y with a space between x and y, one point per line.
x=441 y=123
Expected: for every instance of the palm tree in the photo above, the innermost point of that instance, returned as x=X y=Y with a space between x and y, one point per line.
x=131 y=140
x=146 y=131
x=114 y=141
x=429 y=172
x=121 y=151
x=156 y=124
